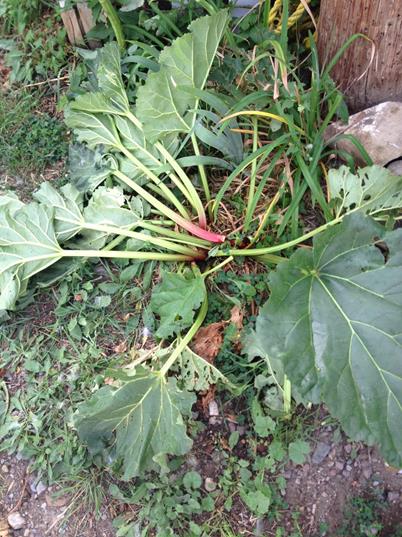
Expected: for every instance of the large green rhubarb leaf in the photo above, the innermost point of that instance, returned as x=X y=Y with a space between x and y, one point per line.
x=334 y=320
x=111 y=97
x=105 y=208
x=28 y=245
x=138 y=423
x=175 y=301
x=67 y=207
x=163 y=104
x=96 y=130
x=372 y=190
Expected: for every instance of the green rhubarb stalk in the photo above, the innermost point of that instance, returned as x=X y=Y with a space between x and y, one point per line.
x=168 y=213
x=183 y=182
x=218 y=267
x=167 y=193
x=195 y=199
x=113 y=254
x=176 y=235
x=255 y=252
x=203 y=176
x=187 y=338
x=162 y=243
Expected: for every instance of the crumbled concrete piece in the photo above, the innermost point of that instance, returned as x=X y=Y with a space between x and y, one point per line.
x=16 y=521
x=367 y=473
x=321 y=451
x=213 y=408
x=40 y=488
x=378 y=129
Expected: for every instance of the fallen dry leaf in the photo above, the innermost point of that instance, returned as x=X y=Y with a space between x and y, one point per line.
x=205 y=398
x=236 y=317
x=224 y=444
x=121 y=347
x=207 y=342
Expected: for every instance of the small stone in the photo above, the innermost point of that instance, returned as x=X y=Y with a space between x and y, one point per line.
x=232 y=427
x=339 y=466
x=348 y=448
x=373 y=531
x=192 y=460
x=16 y=521
x=213 y=408
x=215 y=420
x=40 y=488
x=209 y=484
x=392 y=497
x=26 y=533
x=321 y=451
x=333 y=472
x=376 y=483
x=306 y=468
x=4 y=469
x=287 y=474
x=345 y=473
x=367 y=473
x=348 y=468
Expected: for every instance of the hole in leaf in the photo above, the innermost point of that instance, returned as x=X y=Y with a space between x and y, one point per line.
x=381 y=245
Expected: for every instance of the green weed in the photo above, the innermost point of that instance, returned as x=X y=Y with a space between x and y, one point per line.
x=30 y=140
x=364 y=516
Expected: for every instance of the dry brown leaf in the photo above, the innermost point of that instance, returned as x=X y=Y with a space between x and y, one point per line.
x=224 y=444
x=121 y=347
x=207 y=342
x=236 y=317
x=205 y=398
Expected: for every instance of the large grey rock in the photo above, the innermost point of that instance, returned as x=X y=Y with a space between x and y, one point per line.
x=378 y=129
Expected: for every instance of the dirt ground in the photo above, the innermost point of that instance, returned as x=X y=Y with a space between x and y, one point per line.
x=41 y=511
x=319 y=490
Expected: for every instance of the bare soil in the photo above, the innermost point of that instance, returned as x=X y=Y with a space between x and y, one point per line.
x=45 y=512
x=319 y=491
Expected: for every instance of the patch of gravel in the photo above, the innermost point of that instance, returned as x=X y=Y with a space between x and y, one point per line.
x=337 y=471
x=30 y=509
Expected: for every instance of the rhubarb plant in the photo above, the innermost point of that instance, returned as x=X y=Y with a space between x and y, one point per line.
x=333 y=307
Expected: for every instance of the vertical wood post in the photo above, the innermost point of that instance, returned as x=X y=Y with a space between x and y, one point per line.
x=381 y=21
x=78 y=22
